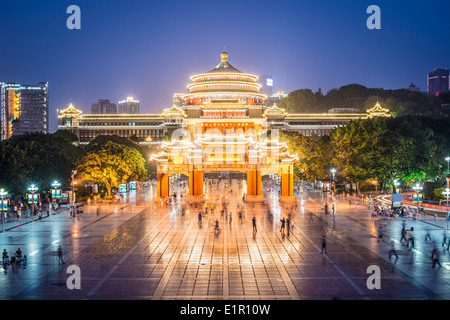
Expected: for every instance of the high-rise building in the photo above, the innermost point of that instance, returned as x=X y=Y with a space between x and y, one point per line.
x=266 y=84
x=24 y=109
x=437 y=81
x=129 y=106
x=104 y=106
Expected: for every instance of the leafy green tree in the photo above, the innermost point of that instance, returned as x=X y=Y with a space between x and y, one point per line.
x=36 y=158
x=112 y=164
x=300 y=101
x=348 y=144
x=312 y=162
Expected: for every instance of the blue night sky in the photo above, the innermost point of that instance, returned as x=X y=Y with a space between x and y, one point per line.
x=149 y=49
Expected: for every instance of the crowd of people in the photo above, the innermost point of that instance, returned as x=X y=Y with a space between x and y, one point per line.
x=17 y=258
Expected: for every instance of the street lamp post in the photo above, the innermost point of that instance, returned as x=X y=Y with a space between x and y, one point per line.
x=333 y=171
x=396 y=184
x=74 y=172
x=417 y=188
x=446 y=193
x=33 y=190
x=3 y=194
x=55 y=186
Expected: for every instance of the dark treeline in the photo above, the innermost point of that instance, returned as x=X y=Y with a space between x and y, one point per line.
x=399 y=102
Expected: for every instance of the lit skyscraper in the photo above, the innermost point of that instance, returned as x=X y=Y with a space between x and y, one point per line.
x=24 y=109
x=437 y=81
x=129 y=106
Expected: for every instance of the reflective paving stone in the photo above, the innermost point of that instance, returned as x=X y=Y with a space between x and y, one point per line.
x=134 y=249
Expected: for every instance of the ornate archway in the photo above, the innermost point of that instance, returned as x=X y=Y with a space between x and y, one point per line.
x=225 y=153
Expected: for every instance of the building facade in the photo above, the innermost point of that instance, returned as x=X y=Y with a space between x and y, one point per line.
x=104 y=106
x=437 y=81
x=24 y=109
x=129 y=106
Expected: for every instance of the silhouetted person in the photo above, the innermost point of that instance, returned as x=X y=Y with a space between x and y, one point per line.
x=283 y=222
x=324 y=244
x=60 y=258
x=435 y=256
x=200 y=218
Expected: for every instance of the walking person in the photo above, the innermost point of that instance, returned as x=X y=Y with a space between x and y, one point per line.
x=444 y=240
x=60 y=254
x=200 y=218
x=410 y=238
x=392 y=251
x=428 y=236
x=435 y=256
x=254 y=225
x=283 y=222
x=403 y=236
x=288 y=225
x=380 y=233
x=216 y=227
x=332 y=208
x=324 y=244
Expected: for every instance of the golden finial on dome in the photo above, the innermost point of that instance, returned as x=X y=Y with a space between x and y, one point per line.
x=224 y=56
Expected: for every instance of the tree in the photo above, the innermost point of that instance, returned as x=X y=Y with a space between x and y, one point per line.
x=349 y=147
x=36 y=158
x=66 y=135
x=300 y=101
x=112 y=164
x=312 y=161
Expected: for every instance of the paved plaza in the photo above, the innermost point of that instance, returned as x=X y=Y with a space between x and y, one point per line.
x=134 y=249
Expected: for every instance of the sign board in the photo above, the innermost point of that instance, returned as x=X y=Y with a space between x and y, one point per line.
x=4 y=204
x=56 y=193
x=396 y=204
x=133 y=185
x=123 y=187
x=95 y=190
x=64 y=198
x=396 y=197
x=32 y=198
x=415 y=197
